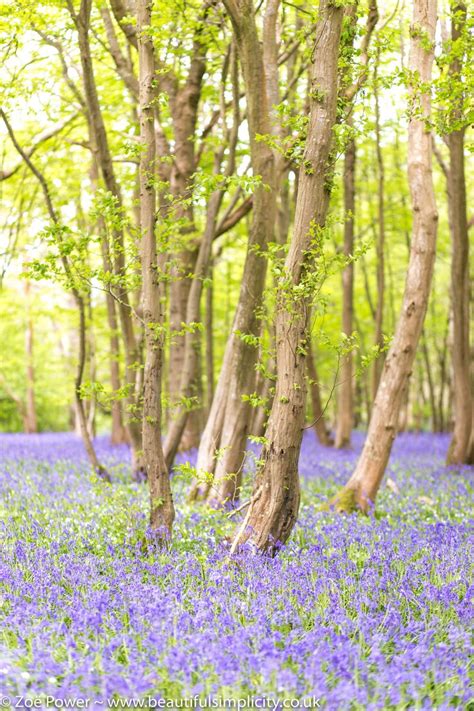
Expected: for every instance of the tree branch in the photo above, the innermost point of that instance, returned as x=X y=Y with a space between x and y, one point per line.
x=41 y=138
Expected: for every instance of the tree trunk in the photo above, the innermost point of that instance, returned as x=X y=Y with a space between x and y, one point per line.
x=228 y=421
x=80 y=409
x=91 y=409
x=118 y=431
x=275 y=499
x=361 y=489
x=78 y=299
x=209 y=337
x=187 y=384
x=161 y=500
x=345 y=401
x=184 y=103
x=30 y=419
x=431 y=387
x=100 y=144
x=319 y=423
x=462 y=402
x=379 y=311
x=191 y=364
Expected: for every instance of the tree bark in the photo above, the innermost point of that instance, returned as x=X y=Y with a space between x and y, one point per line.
x=118 y=433
x=457 y=206
x=442 y=354
x=275 y=499
x=161 y=500
x=361 y=489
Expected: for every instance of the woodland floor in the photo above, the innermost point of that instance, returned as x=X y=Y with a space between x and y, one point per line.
x=361 y=613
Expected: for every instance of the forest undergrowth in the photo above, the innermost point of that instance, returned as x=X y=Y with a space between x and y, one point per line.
x=357 y=612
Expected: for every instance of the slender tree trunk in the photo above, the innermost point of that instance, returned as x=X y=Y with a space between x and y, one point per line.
x=431 y=386
x=275 y=499
x=179 y=296
x=443 y=375
x=209 y=337
x=30 y=420
x=80 y=409
x=379 y=312
x=161 y=500
x=100 y=144
x=189 y=364
x=345 y=401
x=457 y=206
x=78 y=300
x=361 y=489
x=91 y=408
x=184 y=103
x=118 y=431
x=421 y=401
x=263 y=385
x=260 y=414
x=319 y=423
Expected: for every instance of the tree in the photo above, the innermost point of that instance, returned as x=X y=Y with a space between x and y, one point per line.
x=227 y=425
x=161 y=500
x=184 y=105
x=380 y=244
x=100 y=145
x=31 y=420
x=361 y=489
x=57 y=231
x=458 y=225
x=188 y=367
x=319 y=424
x=275 y=498
x=349 y=91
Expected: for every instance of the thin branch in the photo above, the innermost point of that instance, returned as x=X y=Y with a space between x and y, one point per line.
x=40 y=177
x=231 y=514
x=37 y=142
x=234 y=218
x=441 y=162
x=122 y=63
